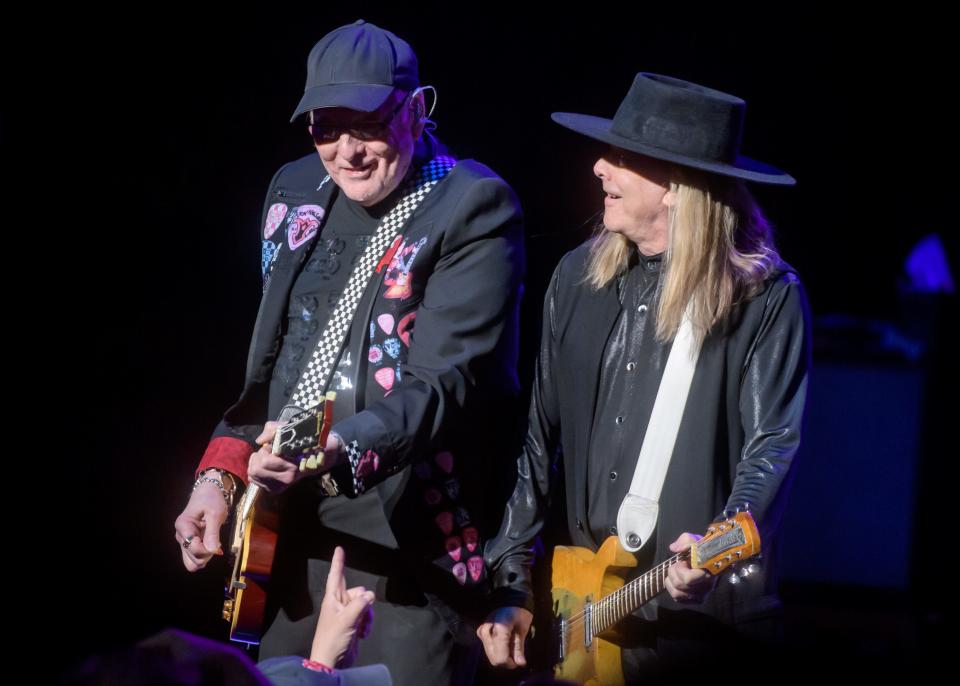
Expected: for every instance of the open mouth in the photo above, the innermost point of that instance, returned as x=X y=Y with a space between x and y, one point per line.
x=358 y=172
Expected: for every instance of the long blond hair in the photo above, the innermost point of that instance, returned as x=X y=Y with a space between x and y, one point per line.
x=720 y=251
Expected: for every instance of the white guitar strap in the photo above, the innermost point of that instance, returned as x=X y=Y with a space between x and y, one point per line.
x=637 y=517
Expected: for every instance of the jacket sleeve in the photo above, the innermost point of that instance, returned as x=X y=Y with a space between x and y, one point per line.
x=509 y=556
x=463 y=345
x=773 y=390
x=230 y=446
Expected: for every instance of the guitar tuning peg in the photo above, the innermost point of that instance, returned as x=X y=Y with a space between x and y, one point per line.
x=734 y=579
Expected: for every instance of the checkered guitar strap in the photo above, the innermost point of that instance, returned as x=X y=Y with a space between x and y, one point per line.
x=313 y=382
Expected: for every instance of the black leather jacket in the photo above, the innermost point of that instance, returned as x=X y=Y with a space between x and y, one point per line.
x=735 y=448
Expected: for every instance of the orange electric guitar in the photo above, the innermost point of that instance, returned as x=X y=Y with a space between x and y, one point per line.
x=256 y=522
x=590 y=597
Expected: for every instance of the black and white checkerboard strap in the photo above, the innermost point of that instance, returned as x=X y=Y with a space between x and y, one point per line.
x=313 y=382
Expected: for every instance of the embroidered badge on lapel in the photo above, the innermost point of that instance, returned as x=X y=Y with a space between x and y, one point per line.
x=444 y=460
x=275 y=216
x=392 y=347
x=475 y=565
x=453 y=548
x=386 y=322
x=444 y=520
x=470 y=538
x=385 y=377
x=303 y=222
x=398 y=273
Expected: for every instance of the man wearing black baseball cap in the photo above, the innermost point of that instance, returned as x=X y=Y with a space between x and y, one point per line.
x=672 y=375
x=392 y=275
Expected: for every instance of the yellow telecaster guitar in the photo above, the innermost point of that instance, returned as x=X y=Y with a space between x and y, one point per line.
x=590 y=597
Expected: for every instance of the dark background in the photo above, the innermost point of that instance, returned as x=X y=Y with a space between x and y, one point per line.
x=158 y=133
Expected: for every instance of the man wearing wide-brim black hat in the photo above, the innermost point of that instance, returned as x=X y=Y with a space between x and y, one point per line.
x=671 y=376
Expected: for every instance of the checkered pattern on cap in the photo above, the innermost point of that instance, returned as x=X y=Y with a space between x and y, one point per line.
x=313 y=382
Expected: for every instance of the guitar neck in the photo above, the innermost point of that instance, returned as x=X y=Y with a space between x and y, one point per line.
x=612 y=608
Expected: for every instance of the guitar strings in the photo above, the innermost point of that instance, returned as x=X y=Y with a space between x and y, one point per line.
x=617 y=595
x=630 y=587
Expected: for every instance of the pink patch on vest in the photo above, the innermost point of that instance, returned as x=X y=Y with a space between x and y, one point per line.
x=460 y=571
x=432 y=496
x=304 y=225
x=386 y=322
x=444 y=460
x=445 y=521
x=369 y=463
x=385 y=377
x=475 y=564
x=453 y=548
x=275 y=216
x=402 y=328
x=470 y=537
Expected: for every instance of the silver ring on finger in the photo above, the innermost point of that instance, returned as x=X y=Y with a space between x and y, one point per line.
x=186 y=541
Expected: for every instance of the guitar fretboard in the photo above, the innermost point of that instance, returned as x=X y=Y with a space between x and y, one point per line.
x=614 y=607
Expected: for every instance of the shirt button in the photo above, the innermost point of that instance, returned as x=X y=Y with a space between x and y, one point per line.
x=619 y=420
x=631 y=366
x=613 y=476
x=580 y=525
x=613 y=530
x=642 y=308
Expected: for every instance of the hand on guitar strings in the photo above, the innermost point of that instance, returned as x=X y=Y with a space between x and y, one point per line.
x=275 y=474
x=346 y=615
x=686 y=585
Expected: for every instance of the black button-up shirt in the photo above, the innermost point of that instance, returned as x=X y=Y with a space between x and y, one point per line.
x=633 y=362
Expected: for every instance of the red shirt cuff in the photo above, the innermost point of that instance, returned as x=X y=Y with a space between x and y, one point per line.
x=231 y=454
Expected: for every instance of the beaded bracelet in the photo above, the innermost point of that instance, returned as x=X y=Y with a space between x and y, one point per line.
x=227 y=495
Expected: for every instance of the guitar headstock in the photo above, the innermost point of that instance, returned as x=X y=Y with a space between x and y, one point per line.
x=304 y=435
x=725 y=543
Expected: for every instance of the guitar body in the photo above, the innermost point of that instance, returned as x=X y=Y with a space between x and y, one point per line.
x=253 y=542
x=579 y=577
x=590 y=596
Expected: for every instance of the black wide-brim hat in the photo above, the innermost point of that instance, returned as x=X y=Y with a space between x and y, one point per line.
x=680 y=122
